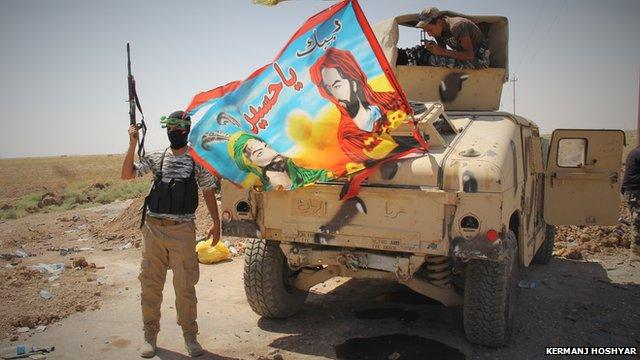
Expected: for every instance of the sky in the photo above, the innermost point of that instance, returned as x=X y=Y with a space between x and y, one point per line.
x=63 y=69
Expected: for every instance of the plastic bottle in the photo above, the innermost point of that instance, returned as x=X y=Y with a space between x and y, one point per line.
x=16 y=350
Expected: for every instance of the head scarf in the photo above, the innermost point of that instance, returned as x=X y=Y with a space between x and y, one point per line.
x=236 y=145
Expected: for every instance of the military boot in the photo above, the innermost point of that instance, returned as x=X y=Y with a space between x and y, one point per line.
x=192 y=345
x=148 y=348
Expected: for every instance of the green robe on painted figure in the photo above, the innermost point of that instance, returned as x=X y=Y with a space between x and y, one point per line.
x=299 y=176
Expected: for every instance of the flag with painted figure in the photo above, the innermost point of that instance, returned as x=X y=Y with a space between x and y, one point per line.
x=322 y=109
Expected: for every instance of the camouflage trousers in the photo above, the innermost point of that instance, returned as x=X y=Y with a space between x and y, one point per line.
x=481 y=61
x=632 y=197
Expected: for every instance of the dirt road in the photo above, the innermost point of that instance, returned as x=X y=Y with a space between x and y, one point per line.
x=576 y=303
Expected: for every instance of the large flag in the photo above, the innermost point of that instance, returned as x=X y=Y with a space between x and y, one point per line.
x=324 y=108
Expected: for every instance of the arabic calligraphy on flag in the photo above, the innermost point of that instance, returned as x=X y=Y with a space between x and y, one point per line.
x=324 y=108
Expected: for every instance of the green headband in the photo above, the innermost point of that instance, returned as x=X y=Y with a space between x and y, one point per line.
x=167 y=121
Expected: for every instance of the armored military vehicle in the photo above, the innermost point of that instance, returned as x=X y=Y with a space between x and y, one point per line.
x=453 y=224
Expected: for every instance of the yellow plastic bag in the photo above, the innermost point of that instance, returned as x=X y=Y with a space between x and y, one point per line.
x=208 y=254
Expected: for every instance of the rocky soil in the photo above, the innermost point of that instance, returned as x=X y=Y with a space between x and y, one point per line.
x=583 y=242
x=78 y=240
x=587 y=296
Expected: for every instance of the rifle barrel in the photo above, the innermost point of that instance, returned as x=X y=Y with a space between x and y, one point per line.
x=132 y=89
x=128 y=59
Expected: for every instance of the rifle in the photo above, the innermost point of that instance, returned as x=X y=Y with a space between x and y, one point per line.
x=134 y=103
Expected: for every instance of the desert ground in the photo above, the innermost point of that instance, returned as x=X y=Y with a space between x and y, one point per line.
x=75 y=212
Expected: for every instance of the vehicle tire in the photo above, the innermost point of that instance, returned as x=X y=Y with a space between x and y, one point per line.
x=266 y=281
x=489 y=298
x=545 y=251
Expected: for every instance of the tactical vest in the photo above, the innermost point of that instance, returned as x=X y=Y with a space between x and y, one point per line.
x=179 y=196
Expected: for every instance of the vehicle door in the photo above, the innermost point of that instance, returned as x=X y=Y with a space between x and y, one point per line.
x=583 y=176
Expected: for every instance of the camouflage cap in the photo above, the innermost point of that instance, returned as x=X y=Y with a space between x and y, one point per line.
x=427 y=15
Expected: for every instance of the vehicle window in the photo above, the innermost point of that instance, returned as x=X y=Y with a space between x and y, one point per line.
x=572 y=152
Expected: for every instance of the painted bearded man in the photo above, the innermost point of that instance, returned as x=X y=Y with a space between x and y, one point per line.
x=274 y=170
x=363 y=130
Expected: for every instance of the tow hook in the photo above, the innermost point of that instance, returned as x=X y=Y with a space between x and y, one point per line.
x=348 y=260
x=402 y=269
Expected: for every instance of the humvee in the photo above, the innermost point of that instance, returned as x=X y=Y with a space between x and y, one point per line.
x=453 y=224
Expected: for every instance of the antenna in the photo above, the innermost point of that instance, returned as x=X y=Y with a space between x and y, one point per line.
x=513 y=81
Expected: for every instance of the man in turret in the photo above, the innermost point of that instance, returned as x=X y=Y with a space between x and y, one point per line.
x=468 y=45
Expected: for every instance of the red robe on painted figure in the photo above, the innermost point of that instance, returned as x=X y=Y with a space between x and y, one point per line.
x=353 y=140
